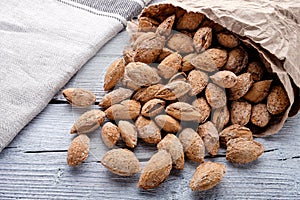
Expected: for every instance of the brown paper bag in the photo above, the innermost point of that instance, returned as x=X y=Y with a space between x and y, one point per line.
x=271 y=27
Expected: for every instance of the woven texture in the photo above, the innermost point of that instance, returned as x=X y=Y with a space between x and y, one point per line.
x=43 y=44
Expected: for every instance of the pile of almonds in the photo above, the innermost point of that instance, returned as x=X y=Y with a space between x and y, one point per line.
x=187 y=85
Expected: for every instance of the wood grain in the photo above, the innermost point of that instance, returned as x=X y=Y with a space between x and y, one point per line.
x=34 y=165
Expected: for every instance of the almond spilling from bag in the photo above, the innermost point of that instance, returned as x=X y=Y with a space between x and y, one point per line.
x=173 y=146
x=173 y=90
x=207 y=175
x=115 y=96
x=210 y=137
x=243 y=151
x=128 y=109
x=88 y=122
x=121 y=162
x=216 y=96
x=145 y=94
x=170 y=65
x=198 y=80
x=153 y=107
x=110 y=134
x=78 y=150
x=168 y=123
x=233 y=132
x=148 y=131
x=156 y=170
x=183 y=111
x=79 y=97
x=193 y=145
x=128 y=133
x=114 y=74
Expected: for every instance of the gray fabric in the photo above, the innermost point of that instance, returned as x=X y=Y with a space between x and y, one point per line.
x=42 y=45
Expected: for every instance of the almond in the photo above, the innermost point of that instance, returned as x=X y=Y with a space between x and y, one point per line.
x=202 y=39
x=220 y=117
x=207 y=175
x=224 y=79
x=203 y=108
x=259 y=91
x=170 y=65
x=148 y=131
x=198 y=80
x=260 y=115
x=227 y=39
x=115 y=96
x=153 y=107
x=189 y=21
x=168 y=123
x=256 y=70
x=193 y=145
x=88 y=122
x=237 y=60
x=110 y=134
x=79 y=97
x=172 y=145
x=173 y=90
x=165 y=27
x=114 y=74
x=181 y=43
x=164 y=53
x=128 y=133
x=183 y=111
x=128 y=109
x=121 y=162
x=139 y=74
x=156 y=170
x=240 y=112
x=233 y=132
x=210 y=60
x=277 y=100
x=144 y=95
x=216 y=96
x=78 y=150
x=244 y=82
x=243 y=151
x=210 y=137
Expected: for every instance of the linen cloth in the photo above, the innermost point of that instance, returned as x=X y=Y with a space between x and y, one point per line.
x=43 y=44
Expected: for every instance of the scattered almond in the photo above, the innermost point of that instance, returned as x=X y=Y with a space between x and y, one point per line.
x=79 y=97
x=168 y=123
x=233 y=132
x=210 y=137
x=148 y=131
x=110 y=134
x=128 y=109
x=88 y=122
x=78 y=150
x=114 y=74
x=121 y=162
x=128 y=133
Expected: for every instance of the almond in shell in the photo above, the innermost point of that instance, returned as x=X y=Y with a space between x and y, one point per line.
x=115 y=96
x=153 y=107
x=235 y=131
x=165 y=27
x=145 y=94
x=220 y=117
x=168 y=123
x=128 y=133
x=121 y=162
x=190 y=21
x=183 y=111
x=203 y=108
x=186 y=62
x=128 y=109
x=114 y=74
x=193 y=145
x=173 y=146
x=202 y=39
x=277 y=100
x=240 y=112
x=156 y=170
x=110 y=134
x=256 y=69
x=79 y=97
x=260 y=115
x=198 y=80
x=224 y=79
x=210 y=60
x=173 y=90
x=207 y=175
x=181 y=43
x=88 y=122
x=237 y=60
x=259 y=91
x=216 y=96
x=244 y=83
x=227 y=39
x=243 y=151
x=170 y=65
x=210 y=137
x=148 y=131
x=78 y=150
x=139 y=74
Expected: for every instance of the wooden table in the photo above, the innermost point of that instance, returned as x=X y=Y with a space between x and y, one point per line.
x=34 y=165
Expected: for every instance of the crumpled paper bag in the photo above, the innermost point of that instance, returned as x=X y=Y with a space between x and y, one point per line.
x=272 y=27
